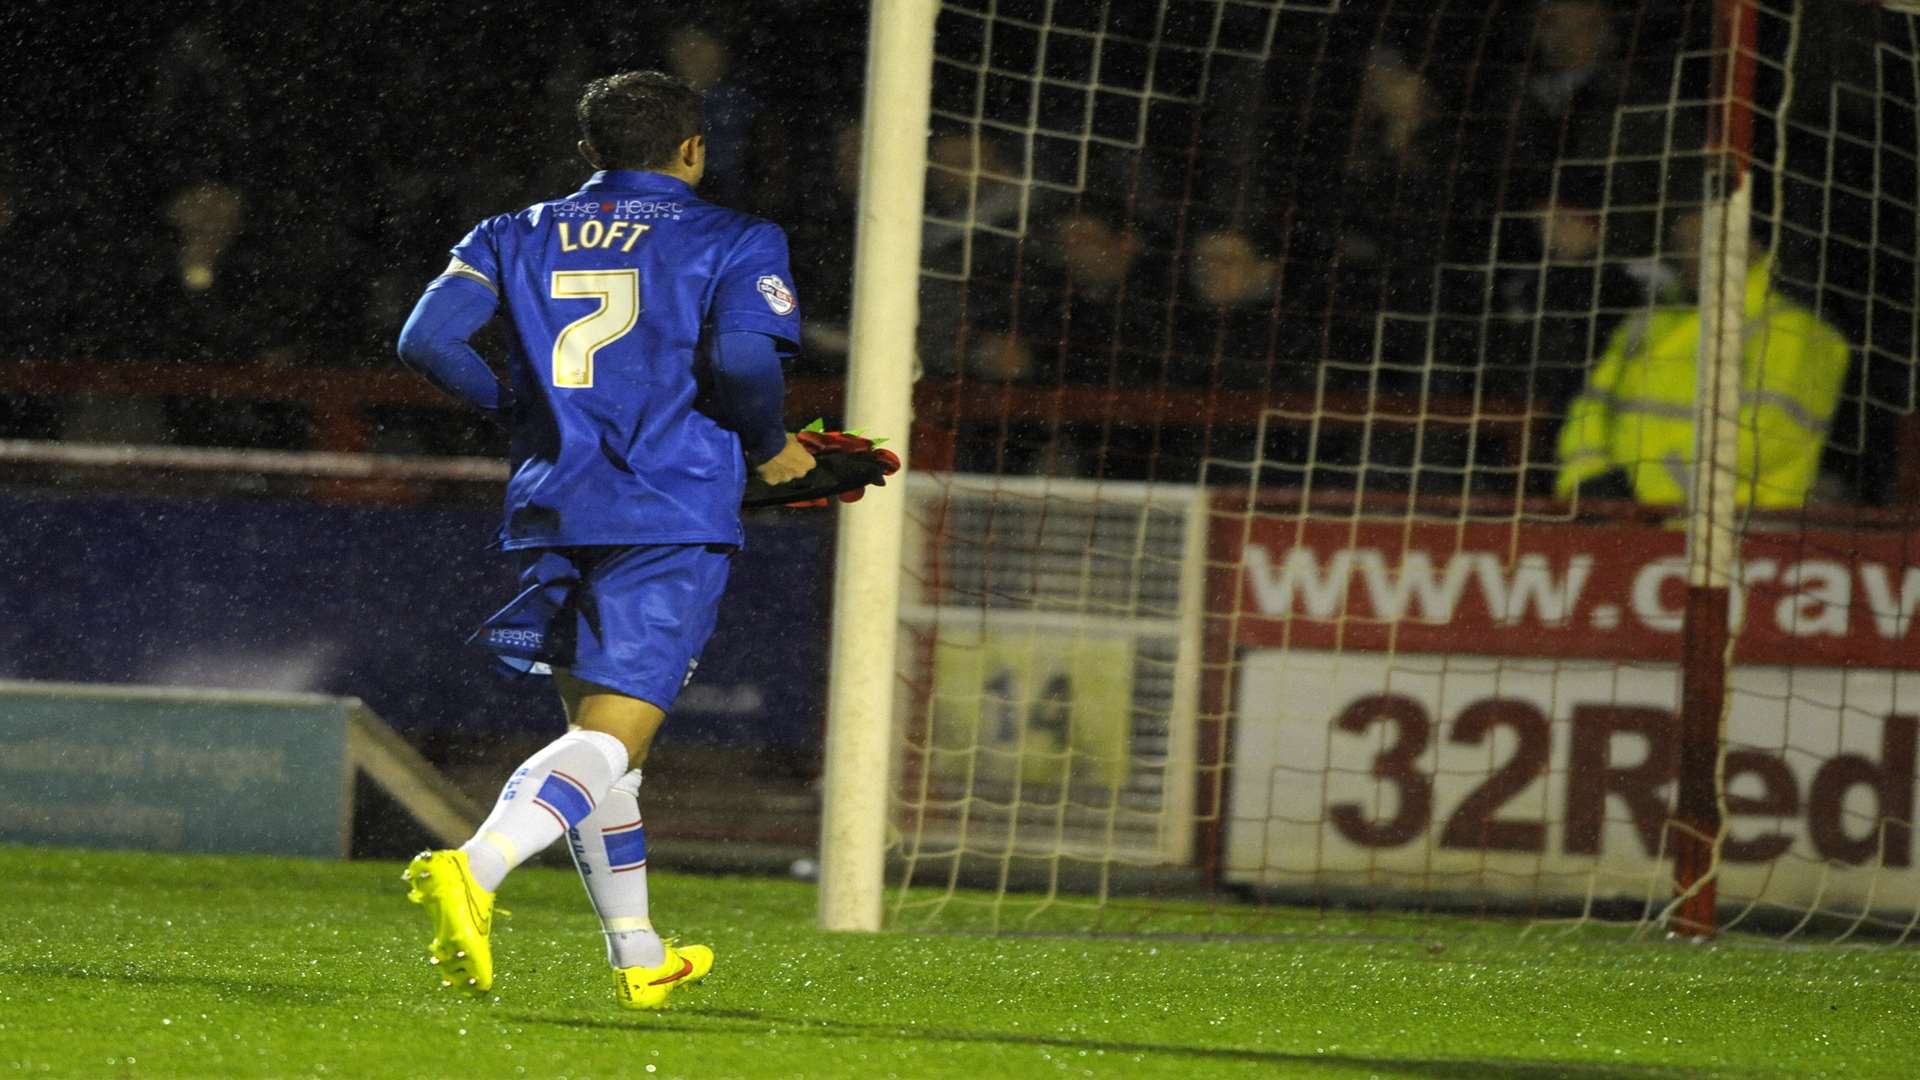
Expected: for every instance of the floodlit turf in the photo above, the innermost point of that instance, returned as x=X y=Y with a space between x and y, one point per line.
x=120 y=965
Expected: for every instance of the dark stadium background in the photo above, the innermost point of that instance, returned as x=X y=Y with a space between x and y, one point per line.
x=359 y=141
x=340 y=148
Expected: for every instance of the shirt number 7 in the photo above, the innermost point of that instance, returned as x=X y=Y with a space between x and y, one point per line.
x=618 y=292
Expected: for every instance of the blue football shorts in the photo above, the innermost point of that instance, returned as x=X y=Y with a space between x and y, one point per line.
x=630 y=618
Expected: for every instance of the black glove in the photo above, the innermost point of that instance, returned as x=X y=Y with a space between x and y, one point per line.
x=844 y=466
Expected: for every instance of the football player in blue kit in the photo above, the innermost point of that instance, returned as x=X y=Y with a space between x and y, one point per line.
x=648 y=331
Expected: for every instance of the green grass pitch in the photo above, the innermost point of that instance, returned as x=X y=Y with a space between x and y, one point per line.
x=125 y=965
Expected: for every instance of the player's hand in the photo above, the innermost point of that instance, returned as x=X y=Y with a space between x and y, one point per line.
x=791 y=463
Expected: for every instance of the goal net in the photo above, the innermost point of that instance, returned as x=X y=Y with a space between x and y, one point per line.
x=1413 y=458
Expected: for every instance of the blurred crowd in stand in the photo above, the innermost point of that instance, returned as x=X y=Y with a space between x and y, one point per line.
x=1393 y=208
x=1414 y=212
x=269 y=188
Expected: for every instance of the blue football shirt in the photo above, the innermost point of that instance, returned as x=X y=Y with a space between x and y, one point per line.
x=615 y=294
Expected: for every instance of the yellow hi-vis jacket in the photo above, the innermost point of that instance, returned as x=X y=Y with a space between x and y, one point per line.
x=1636 y=412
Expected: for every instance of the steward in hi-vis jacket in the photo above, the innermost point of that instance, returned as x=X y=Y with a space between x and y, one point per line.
x=1634 y=419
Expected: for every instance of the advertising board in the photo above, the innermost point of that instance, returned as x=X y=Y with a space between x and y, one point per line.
x=1551 y=777
x=174 y=770
x=167 y=768
x=1840 y=600
x=1491 y=710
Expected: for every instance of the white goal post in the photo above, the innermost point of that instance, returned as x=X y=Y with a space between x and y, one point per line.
x=893 y=168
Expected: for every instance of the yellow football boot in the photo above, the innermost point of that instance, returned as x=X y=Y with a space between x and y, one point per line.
x=647 y=988
x=462 y=914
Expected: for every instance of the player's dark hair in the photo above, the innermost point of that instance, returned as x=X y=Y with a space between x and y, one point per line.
x=638 y=119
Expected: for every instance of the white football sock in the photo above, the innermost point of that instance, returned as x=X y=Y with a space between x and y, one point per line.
x=610 y=851
x=556 y=788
